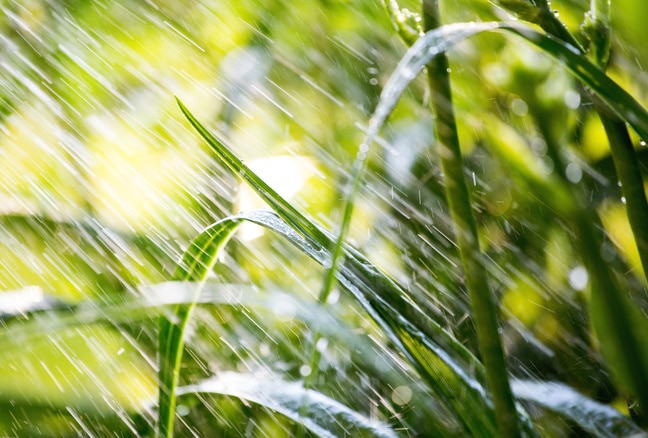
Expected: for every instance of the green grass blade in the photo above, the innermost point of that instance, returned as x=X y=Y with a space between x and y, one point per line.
x=196 y=264
x=321 y=415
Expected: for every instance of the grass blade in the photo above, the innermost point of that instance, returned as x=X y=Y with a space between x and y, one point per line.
x=388 y=304
x=196 y=264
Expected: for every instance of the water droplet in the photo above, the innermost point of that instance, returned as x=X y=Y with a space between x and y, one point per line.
x=539 y=146
x=333 y=297
x=572 y=99
x=519 y=107
x=305 y=370
x=578 y=278
x=401 y=395
x=321 y=345
x=574 y=173
x=608 y=252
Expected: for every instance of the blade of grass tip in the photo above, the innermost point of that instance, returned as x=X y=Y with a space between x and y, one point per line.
x=482 y=300
x=195 y=265
x=287 y=212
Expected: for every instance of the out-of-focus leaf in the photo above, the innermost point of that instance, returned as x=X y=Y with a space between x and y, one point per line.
x=627 y=357
x=598 y=419
x=321 y=415
x=91 y=368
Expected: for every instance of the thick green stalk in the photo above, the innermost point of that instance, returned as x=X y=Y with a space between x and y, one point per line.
x=482 y=299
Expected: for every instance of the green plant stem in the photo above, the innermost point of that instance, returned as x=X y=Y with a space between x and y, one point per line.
x=482 y=300
x=612 y=306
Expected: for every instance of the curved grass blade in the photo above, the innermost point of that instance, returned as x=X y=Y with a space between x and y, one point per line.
x=595 y=418
x=621 y=337
x=196 y=264
x=418 y=336
x=321 y=415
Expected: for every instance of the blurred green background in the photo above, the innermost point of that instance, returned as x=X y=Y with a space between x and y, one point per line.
x=103 y=183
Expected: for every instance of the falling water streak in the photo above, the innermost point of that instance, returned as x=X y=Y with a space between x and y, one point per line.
x=80 y=422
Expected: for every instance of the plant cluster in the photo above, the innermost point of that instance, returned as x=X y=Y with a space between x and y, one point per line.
x=472 y=281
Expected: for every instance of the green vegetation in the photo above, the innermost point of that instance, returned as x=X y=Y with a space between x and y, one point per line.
x=355 y=219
